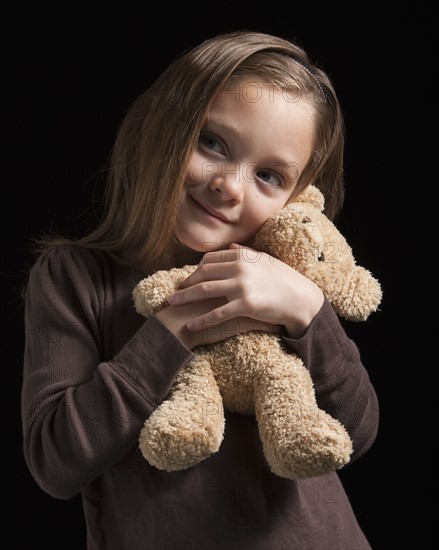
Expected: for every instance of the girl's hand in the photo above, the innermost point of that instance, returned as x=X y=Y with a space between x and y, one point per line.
x=176 y=319
x=254 y=285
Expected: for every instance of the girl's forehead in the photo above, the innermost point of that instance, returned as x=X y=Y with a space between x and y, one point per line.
x=251 y=95
x=254 y=88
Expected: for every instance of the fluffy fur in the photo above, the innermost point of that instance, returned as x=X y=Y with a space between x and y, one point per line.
x=255 y=373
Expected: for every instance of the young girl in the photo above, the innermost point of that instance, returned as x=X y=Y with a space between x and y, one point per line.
x=226 y=136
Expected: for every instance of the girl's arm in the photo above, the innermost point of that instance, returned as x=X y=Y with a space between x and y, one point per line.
x=81 y=413
x=342 y=384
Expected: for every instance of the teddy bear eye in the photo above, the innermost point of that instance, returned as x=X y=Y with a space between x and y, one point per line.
x=305 y=219
x=321 y=257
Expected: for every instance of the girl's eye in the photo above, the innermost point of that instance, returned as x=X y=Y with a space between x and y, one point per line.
x=270 y=177
x=212 y=143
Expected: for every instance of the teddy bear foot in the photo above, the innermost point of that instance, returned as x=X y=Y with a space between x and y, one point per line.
x=172 y=446
x=189 y=426
x=320 y=445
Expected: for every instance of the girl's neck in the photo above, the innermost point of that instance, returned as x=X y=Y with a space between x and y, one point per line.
x=178 y=255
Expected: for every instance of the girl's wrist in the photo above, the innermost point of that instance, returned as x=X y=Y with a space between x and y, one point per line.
x=297 y=325
x=177 y=326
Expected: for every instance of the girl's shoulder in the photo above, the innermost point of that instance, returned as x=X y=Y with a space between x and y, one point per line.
x=66 y=266
x=77 y=270
x=69 y=256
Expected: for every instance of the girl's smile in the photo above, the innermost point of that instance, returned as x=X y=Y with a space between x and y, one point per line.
x=207 y=210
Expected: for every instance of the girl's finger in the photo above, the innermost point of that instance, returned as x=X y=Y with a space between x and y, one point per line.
x=219 y=256
x=202 y=291
x=235 y=253
x=208 y=272
x=213 y=318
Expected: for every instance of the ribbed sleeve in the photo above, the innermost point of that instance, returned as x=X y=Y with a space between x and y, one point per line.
x=81 y=413
x=342 y=384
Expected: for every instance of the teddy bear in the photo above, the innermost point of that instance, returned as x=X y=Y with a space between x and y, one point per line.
x=255 y=373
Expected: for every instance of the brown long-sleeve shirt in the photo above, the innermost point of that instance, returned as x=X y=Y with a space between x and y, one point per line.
x=94 y=370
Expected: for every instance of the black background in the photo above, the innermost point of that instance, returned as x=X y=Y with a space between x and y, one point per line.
x=67 y=78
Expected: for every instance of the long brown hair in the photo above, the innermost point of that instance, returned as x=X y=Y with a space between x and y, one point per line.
x=160 y=130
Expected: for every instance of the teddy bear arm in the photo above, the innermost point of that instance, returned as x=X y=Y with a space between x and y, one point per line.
x=151 y=293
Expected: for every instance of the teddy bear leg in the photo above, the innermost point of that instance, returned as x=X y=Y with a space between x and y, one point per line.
x=299 y=439
x=189 y=425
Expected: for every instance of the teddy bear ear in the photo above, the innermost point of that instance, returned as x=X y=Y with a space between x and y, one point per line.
x=312 y=195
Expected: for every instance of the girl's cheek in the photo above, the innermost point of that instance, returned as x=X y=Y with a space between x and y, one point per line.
x=194 y=173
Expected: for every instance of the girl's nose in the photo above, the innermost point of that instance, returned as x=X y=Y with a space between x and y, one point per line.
x=228 y=182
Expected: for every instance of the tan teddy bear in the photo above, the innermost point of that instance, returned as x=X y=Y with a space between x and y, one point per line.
x=255 y=373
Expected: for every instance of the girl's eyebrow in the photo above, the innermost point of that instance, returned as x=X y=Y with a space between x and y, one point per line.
x=222 y=126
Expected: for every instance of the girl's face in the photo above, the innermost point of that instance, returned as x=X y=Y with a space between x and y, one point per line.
x=255 y=142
